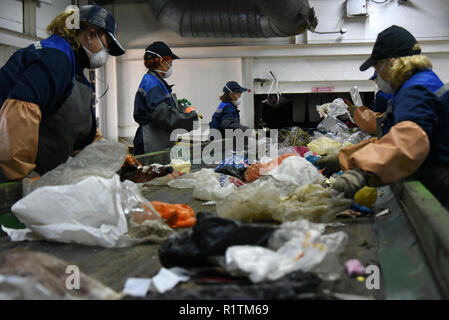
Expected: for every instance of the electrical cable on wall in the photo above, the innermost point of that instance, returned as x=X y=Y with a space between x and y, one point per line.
x=380 y=2
x=341 y=31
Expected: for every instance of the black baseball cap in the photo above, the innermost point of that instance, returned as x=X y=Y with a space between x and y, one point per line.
x=393 y=42
x=234 y=87
x=102 y=18
x=161 y=49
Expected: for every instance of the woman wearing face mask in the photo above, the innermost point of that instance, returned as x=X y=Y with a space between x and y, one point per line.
x=381 y=98
x=413 y=134
x=227 y=115
x=46 y=102
x=156 y=109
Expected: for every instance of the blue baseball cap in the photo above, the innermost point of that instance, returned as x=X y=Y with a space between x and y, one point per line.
x=234 y=87
x=105 y=20
x=393 y=42
x=161 y=49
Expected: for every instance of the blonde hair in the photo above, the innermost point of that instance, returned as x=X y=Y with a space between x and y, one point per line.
x=58 y=27
x=405 y=67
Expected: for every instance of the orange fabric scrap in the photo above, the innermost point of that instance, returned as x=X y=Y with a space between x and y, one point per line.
x=177 y=215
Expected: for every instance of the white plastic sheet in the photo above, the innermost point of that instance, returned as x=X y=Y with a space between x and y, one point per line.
x=296 y=247
x=90 y=212
x=102 y=159
x=268 y=199
x=334 y=109
x=207 y=185
x=296 y=170
x=165 y=280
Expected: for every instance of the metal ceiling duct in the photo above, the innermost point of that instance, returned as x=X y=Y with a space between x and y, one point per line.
x=235 y=18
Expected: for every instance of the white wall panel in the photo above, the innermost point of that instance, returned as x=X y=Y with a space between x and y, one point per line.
x=45 y=13
x=425 y=19
x=199 y=80
x=11 y=15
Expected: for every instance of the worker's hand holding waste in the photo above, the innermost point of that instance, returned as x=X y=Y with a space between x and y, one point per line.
x=350 y=182
x=351 y=107
x=330 y=164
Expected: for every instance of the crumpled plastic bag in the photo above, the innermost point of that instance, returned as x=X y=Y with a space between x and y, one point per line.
x=324 y=145
x=355 y=96
x=255 y=201
x=305 y=250
x=313 y=202
x=333 y=125
x=296 y=170
x=102 y=159
x=262 y=168
x=358 y=137
x=91 y=212
x=269 y=199
x=207 y=185
x=40 y=276
x=334 y=109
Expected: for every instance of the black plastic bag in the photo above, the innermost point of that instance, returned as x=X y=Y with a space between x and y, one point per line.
x=181 y=250
x=232 y=171
x=211 y=236
x=214 y=234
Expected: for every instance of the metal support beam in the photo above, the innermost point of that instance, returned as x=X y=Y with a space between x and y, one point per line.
x=29 y=17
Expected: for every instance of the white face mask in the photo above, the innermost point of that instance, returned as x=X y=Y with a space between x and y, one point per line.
x=98 y=59
x=167 y=73
x=383 y=85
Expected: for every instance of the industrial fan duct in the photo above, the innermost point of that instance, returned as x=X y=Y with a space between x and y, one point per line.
x=235 y=18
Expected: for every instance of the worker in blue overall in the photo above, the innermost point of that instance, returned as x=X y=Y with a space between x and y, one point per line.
x=46 y=102
x=156 y=108
x=227 y=115
x=413 y=133
x=381 y=98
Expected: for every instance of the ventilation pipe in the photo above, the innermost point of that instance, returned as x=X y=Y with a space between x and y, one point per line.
x=235 y=18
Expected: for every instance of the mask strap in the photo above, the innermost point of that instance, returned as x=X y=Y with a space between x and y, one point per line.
x=101 y=42
x=152 y=52
x=230 y=91
x=102 y=46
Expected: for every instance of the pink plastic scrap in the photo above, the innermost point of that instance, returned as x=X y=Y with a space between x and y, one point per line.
x=301 y=150
x=354 y=267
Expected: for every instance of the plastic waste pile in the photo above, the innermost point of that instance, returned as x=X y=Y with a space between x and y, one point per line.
x=261 y=252
x=83 y=201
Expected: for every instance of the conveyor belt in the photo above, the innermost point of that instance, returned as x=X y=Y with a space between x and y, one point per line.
x=388 y=241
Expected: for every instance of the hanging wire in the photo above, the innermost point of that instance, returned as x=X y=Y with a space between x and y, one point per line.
x=341 y=31
x=97 y=100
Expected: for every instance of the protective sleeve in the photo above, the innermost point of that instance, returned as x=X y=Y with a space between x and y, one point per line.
x=19 y=137
x=395 y=156
x=232 y=123
x=46 y=82
x=166 y=116
x=365 y=119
